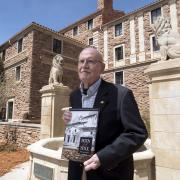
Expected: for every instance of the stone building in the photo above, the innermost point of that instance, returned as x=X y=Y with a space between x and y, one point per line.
x=126 y=41
x=27 y=61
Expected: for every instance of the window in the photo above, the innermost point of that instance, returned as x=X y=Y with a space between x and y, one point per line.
x=90 y=24
x=57 y=46
x=118 y=29
x=90 y=41
x=119 y=77
x=155 y=44
x=18 y=73
x=10 y=109
x=3 y=54
x=20 y=42
x=75 y=31
x=119 y=54
x=155 y=14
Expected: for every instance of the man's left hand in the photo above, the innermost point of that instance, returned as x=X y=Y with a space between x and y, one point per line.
x=92 y=163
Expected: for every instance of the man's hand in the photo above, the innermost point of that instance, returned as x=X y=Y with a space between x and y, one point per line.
x=67 y=116
x=92 y=163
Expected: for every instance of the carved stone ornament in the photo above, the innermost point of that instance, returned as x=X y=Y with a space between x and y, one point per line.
x=56 y=73
x=167 y=39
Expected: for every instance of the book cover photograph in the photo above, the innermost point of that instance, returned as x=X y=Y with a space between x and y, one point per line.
x=80 y=135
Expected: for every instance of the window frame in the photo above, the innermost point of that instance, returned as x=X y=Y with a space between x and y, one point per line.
x=20 y=45
x=122 y=77
x=53 y=48
x=123 y=56
x=7 y=110
x=89 y=41
x=115 y=29
x=88 y=25
x=3 y=55
x=77 y=31
x=18 y=76
x=150 y=14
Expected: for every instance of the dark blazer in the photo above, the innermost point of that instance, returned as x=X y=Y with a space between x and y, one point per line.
x=121 y=132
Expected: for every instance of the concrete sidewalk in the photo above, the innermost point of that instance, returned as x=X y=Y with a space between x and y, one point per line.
x=20 y=172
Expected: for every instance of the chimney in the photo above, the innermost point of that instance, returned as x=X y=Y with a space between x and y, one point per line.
x=104 y=4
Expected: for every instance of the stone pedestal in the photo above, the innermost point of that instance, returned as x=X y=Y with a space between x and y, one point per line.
x=53 y=99
x=165 y=117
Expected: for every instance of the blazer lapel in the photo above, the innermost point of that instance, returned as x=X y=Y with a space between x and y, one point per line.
x=102 y=97
x=78 y=102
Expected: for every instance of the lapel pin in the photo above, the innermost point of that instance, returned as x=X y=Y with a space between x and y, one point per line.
x=101 y=102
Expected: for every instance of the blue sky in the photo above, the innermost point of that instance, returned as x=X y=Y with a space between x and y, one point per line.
x=55 y=14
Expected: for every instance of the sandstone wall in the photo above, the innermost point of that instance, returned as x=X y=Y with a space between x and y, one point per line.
x=19 y=90
x=20 y=134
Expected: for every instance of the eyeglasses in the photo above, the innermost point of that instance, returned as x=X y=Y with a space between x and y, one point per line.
x=88 y=62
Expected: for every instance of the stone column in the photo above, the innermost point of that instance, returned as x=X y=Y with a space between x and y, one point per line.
x=165 y=117
x=54 y=98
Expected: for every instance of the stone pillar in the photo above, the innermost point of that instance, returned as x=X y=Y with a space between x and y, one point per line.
x=54 y=98
x=165 y=117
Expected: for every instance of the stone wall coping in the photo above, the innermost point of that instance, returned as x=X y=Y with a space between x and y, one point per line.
x=19 y=124
x=40 y=148
x=144 y=154
x=54 y=88
x=163 y=67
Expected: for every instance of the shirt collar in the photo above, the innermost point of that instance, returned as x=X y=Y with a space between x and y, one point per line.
x=92 y=89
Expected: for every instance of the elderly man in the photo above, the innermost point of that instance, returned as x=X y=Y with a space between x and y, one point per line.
x=121 y=130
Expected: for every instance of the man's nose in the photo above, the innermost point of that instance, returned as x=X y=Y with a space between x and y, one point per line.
x=85 y=63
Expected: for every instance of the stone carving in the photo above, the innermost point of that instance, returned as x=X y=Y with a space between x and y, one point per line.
x=56 y=73
x=167 y=39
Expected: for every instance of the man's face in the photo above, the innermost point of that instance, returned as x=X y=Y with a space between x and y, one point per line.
x=90 y=66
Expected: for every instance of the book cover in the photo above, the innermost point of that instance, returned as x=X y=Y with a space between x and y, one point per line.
x=80 y=134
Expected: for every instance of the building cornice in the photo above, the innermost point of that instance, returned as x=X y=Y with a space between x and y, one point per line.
x=138 y=11
x=86 y=18
x=36 y=26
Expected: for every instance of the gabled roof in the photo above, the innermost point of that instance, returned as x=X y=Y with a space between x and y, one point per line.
x=39 y=27
x=84 y=19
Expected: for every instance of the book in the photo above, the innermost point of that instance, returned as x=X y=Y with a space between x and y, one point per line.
x=80 y=134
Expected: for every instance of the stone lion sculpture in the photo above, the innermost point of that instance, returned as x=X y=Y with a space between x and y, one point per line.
x=56 y=73
x=167 y=39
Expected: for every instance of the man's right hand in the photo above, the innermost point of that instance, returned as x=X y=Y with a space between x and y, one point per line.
x=67 y=116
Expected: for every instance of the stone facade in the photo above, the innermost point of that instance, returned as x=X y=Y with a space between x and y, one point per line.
x=136 y=39
x=35 y=61
x=20 y=134
x=165 y=117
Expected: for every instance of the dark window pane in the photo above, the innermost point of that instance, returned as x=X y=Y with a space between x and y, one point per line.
x=90 y=24
x=10 y=109
x=75 y=31
x=2 y=55
x=118 y=29
x=119 y=77
x=18 y=73
x=91 y=41
x=20 y=45
x=155 y=14
x=119 y=53
x=57 y=46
